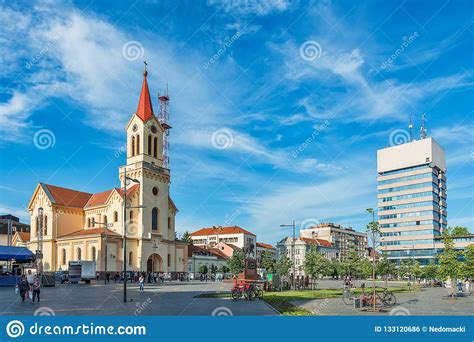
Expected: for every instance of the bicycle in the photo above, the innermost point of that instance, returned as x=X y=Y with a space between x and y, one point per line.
x=245 y=291
x=388 y=298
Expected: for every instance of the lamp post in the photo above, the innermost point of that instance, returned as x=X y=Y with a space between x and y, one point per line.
x=292 y=252
x=124 y=244
x=39 y=250
x=373 y=230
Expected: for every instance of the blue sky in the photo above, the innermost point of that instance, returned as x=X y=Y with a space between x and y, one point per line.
x=250 y=82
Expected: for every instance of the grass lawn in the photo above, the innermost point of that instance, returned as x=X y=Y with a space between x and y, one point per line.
x=281 y=301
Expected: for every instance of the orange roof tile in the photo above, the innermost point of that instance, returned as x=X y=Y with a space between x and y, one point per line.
x=319 y=242
x=221 y=231
x=145 y=107
x=68 y=197
x=217 y=253
x=264 y=245
x=98 y=198
x=24 y=236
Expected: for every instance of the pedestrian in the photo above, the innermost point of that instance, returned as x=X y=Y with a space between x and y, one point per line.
x=141 y=281
x=36 y=290
x=23 y=287
x=107 y=277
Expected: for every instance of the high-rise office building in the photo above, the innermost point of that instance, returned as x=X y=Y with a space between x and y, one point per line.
x=411 y=187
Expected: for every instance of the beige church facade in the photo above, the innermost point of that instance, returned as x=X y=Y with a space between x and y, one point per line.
x=83 y=226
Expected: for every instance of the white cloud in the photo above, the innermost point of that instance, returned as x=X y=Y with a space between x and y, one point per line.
x=251 y=7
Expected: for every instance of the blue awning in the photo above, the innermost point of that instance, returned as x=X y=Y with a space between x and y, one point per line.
x=16 y=253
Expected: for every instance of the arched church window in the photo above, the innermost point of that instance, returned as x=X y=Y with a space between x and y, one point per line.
x=154 y=219
x=105 y=221
x=155 y=147
x=130 y=257
x=79 y=253
x=64 y=256
x=138 y=144
x=115 y=216
x=93 y=222
x=131 y=216
x=93 y=252
x=45 y=231
x=132 y=153
x=169 y=222
x=89 y=222
x=149 y=144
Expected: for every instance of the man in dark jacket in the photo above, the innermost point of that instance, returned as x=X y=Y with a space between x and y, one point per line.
x=23 y=286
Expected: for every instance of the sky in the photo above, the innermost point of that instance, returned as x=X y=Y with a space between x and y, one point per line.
x=277 y=107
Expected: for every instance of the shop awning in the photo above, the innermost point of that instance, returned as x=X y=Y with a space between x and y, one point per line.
x=16 y=253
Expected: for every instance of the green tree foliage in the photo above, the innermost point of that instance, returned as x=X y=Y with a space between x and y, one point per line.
x=450 y=265
x=283 y=266
x=335 y=268
x=268 y=262
x=187 y=238
x=430 y=271
x=213 y=269
x=223 y=269
x=236 y=262
x=366 y=268
x=202 y=269
x=406 y=268
x=468 y=267
x=458 y=231
x=385 y=268
x=352 y=265
x=315 y=264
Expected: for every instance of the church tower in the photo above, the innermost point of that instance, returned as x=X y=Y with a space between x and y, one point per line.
x=153 y=225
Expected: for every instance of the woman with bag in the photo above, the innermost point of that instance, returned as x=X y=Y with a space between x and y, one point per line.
x=36 y=290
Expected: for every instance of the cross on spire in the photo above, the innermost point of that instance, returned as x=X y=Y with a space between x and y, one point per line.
x=145 y=72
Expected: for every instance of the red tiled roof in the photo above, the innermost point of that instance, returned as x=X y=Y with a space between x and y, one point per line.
x=319 y=242
x=217 y=253
x=99 y=198
x=129 y=190
x=221 y=231
x=92 y=231
x=68 y=197
x=264 y=245
x=24 y=236
x=145 y=108
x=194 y=249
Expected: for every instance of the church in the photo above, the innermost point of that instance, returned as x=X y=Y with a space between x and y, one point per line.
x=69 y=225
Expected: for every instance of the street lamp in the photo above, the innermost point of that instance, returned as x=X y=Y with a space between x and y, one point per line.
x=373 y=230
x=292 y=251
x=124 y=244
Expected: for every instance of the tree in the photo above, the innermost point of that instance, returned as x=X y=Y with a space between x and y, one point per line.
x=213 y=269
x=268 y=262
x=223 y=269
x=202 y=269
x=430 y=271
x=468 y=267
x=385 y=268
x=406 y=268
x=236 y=262
x=351 y=265
x=282 y=267
x=449 y=264
x=187 y=238
x=416 y=269
x=335 y=268
x=315 y=264
x=366 y=268
x=459 y=231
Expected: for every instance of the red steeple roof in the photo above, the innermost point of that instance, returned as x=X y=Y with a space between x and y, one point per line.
x=145 y=108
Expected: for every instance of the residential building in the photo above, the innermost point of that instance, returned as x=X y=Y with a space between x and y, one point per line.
x=344 y=239
x=301 y=247
x=77 y=225
x=236 y=236
x=198 y=257
x=9 y=225
x=412 y=204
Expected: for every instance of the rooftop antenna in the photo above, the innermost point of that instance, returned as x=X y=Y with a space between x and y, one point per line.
x=423 y=129
x=410 y=128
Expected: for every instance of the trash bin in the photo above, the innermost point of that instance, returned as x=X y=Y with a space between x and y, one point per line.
x=357 y=303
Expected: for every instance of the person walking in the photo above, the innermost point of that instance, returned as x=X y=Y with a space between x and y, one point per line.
x=141 y=281
x=23 y=286
x=36 y=290
x=107 y=277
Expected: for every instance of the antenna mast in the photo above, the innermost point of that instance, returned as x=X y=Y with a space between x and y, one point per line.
x=410 y=128
x=423 y=129
x=164 y=118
